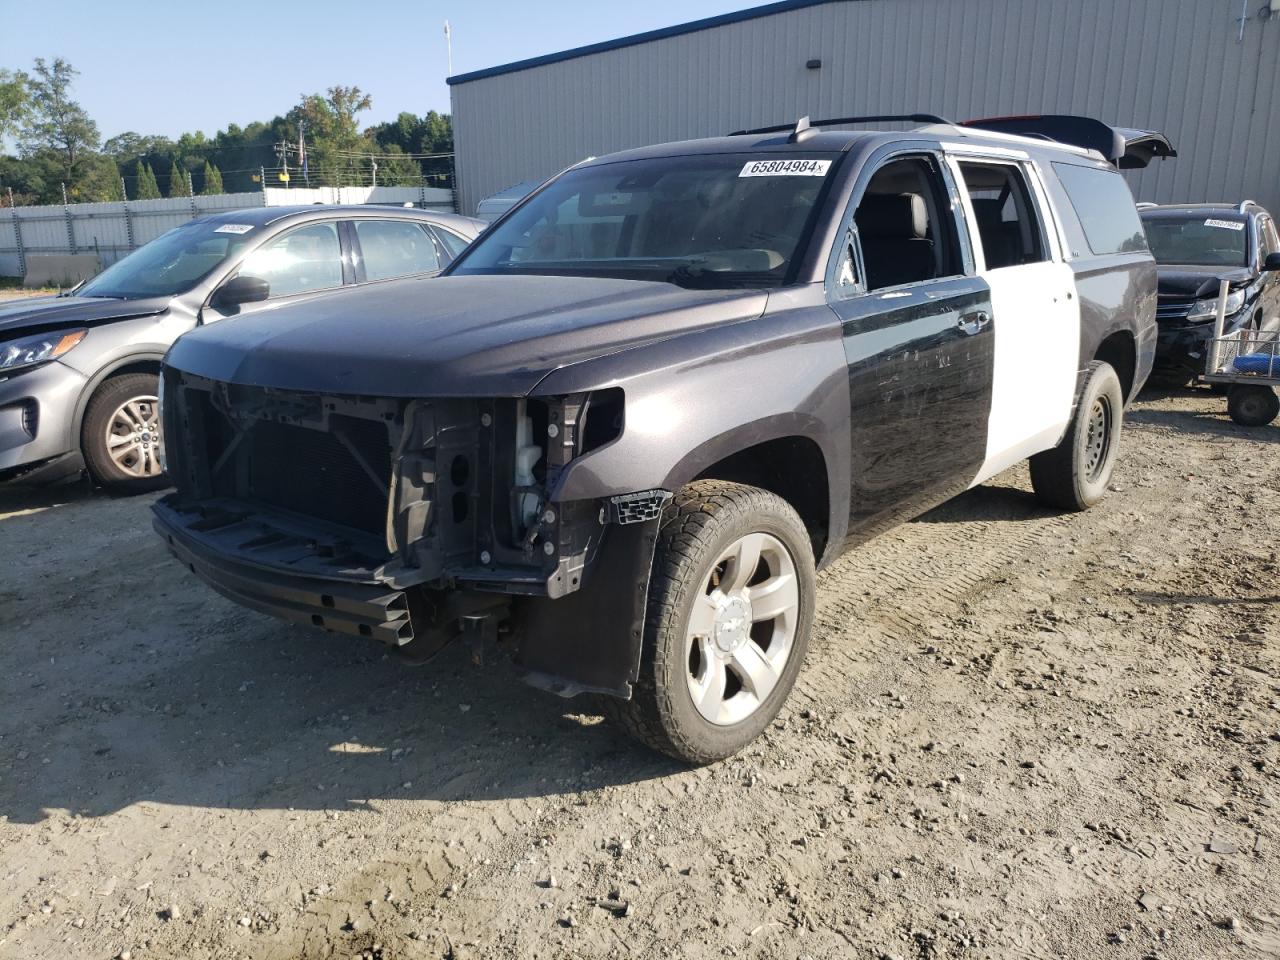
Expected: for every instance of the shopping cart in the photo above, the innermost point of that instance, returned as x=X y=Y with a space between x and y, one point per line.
x=1247 y=363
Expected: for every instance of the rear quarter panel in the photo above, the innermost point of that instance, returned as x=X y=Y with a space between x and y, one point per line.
x=1117 y=293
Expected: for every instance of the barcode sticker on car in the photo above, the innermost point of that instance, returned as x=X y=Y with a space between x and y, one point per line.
x=786 y=168
x=1225 y=224
x=234 y=228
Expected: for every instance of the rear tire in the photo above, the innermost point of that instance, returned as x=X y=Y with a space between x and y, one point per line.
x=1253 y=405
x=120 y=437
x=714 y=670
x=1074 y=475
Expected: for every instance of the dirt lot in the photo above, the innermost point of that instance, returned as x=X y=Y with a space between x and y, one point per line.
x=1018 y=735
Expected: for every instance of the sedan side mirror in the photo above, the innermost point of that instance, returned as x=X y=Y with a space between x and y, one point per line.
x=240 y=290
x=1272 y=262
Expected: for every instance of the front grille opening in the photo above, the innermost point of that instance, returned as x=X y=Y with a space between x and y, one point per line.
x=318 y=474
x=341 y=475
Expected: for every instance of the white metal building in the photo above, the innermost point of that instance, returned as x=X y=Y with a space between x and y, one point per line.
x=1206 y=72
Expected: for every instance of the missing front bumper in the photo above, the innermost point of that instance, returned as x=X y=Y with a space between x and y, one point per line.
x=361 y=609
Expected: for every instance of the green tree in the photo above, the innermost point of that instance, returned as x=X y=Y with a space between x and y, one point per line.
x=147 y=188
x=56 y=122
x=14 y=100
x=177 y=180
x=212 y=180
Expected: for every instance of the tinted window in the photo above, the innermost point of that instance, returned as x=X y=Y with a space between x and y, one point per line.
x=172 y=263
x=395 y=248
x=904 y=225
x=1201 y=240
x=300 y=261
x=1006 y=218
x=1102 y=201
x=453 y=243
x=714 y=221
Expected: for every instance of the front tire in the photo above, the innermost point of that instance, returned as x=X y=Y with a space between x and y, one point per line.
x=120 y=437
x=1074 y=475
x=727 y=623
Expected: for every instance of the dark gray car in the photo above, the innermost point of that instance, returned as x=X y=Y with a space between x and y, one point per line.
x=78 y=373
x=623 y=430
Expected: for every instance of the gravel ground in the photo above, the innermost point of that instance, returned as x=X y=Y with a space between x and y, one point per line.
x=1019 y=734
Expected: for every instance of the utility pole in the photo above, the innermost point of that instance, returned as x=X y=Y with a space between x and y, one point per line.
x=17 y=233
x=128 y=218
x=448 y=42
x=71 y=228
x=375 y=171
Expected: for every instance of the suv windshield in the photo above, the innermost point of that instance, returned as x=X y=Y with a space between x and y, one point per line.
x=707 y=221
x=1205 y=240
x=172 y=263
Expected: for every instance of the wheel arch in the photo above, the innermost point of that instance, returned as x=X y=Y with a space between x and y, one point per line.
x=132 y=363
x=776 y=456
x=1120 y=350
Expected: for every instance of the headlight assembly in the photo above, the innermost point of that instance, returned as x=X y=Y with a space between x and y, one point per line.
x=1206 y=309
x=34 y=350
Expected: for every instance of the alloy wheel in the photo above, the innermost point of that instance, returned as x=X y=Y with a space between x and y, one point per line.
x=742 y=628
x=133 y=437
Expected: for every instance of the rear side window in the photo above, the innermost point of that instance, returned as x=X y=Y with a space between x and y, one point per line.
x=1006 y=217
x=453 y=243
x=395 y=248
x=1102 y=201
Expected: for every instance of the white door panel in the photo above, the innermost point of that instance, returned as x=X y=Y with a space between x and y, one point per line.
x=1037 y=352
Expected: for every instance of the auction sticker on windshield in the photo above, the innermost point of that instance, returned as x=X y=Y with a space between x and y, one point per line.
x=786 y=168
x=1225 y=224
x=234 y=228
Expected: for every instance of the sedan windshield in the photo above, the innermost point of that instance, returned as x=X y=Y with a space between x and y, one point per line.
x=713 y=221
x=172 y=263
x=1198 y=241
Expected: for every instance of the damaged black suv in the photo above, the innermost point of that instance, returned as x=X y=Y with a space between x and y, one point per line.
x=624 y=429
x=1196 y=246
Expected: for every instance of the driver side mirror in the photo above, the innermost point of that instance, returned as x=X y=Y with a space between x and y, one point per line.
x=1272 y=262
x=240 y=290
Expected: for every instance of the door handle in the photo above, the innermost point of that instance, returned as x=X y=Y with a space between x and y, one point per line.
x=971 y=323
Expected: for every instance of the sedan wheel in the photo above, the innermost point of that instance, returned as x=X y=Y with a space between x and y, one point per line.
x=133 y=437
x=121 y=437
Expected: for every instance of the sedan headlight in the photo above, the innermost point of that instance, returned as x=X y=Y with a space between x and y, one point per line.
x=1205 y=309
x=41 y=348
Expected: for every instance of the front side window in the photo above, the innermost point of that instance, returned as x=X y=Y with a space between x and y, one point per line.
x=715 y=221
x=396 y=248
x=301 y=261
x=173 y=262
x=1104 y=206
x=1198 y=240
x=905 y=226
x=1006 y=218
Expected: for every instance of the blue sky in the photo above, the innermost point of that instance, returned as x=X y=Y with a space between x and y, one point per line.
x=167 y=68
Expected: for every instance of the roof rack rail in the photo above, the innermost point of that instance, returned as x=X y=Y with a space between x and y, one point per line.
x=798 y=130
x=1145 y=204
x=1246 y=204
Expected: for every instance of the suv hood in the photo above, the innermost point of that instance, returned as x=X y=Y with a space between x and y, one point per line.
x=1188 y=281
x=37 y=314
x=450 y=336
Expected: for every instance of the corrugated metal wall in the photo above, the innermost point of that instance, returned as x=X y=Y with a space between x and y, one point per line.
x=1171 y=65
x=103 y=228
